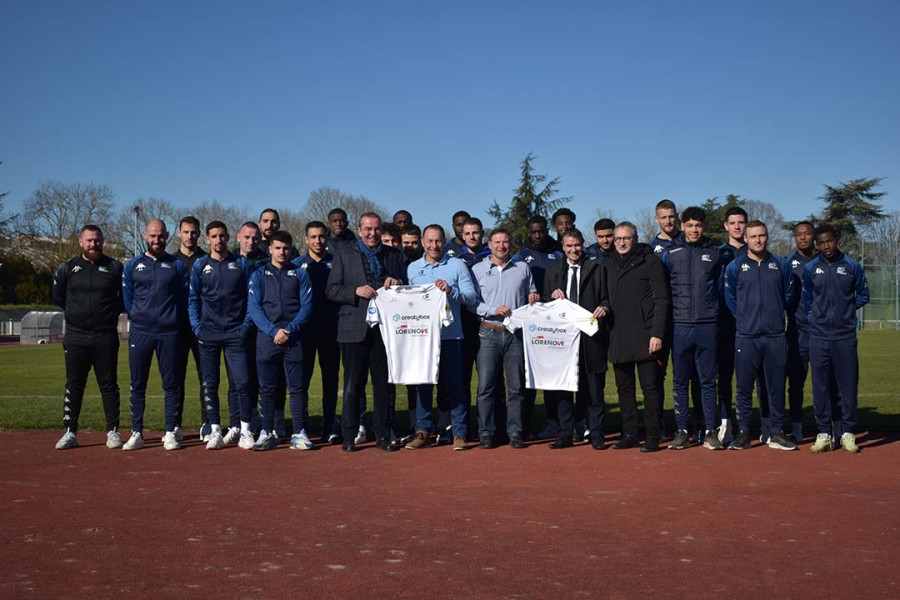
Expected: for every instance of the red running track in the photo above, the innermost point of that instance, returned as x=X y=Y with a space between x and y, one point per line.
x=534 y=523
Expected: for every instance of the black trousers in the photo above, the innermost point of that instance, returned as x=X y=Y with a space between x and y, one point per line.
x=648 y=375
x=360 y=358
x=84 y=351
x=323 y=343
x=591 y=395
x=187 y=347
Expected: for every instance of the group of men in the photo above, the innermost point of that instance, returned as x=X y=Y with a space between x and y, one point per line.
x=718 y=310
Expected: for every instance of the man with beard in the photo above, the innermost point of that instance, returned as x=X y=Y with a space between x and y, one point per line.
x=154 y=291
x=88 y=287
x=411 y=243
x=603 y=248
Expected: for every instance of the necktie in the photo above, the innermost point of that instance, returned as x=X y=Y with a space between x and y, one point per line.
x=573 y=284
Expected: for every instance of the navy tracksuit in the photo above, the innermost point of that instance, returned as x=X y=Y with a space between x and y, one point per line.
x=695 y=276
x=759 y=295
x=320 y=337
x=280 y=299
x=155 y=295
x=832 y=293
x=217 y=305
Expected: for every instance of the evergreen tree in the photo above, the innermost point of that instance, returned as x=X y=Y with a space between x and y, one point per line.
x=851 y=206
x=526 y=202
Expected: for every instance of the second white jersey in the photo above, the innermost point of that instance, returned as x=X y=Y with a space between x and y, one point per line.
x=551 y=335
x=411 y=317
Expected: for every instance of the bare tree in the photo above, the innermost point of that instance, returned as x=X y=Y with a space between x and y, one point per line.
x=126 y=230
x=59 y=210
x=5 y=221
x=324 y=199
x=883 y=240
x=780 y=241
x=645 y=220
x=213 y=210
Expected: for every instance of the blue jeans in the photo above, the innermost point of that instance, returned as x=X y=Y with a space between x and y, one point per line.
x=450 y=381
x=500 y=351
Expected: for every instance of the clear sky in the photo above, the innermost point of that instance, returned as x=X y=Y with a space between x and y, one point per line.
x=431 y=106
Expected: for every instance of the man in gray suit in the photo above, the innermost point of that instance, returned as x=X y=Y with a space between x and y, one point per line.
x=358 y=269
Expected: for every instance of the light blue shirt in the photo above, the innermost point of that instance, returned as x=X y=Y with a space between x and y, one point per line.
x=462 y=288
x=508 y=286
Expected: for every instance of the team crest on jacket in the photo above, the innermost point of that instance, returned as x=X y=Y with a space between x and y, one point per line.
x=841 y=271
x=292 y=273
x=773 y=266
x=165 y=266
x=706 y=258
x=232 y=266
x=103 y=269
x=551 y=256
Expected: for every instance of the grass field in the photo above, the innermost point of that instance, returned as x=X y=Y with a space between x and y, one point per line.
x=32 y=382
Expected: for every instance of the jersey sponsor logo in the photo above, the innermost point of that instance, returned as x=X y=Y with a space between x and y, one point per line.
x=706 y=258
x=399 y=317
x=76 y=269
x=373 y=310
x=841 y=271
x=140 y=267
x=548 y=329
x=208 y=269
x=542 y=340
x=405 y=329
x=745 y=267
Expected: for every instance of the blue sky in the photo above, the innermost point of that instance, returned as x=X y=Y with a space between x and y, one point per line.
x=431 y=107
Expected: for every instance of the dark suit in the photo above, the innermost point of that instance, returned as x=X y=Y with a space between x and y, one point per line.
x=639 y=301
x=361 y=346
x=592 y=353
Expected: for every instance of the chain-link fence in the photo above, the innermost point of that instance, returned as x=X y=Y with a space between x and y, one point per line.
x=883 y=309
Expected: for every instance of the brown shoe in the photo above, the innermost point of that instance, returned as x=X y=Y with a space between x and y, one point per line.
x=419 y=441
x=459 y=443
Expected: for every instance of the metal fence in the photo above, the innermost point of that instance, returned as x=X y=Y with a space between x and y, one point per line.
x=883 y=309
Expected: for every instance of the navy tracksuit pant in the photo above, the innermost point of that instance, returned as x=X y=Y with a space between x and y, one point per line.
x=141 y=347
x=797 y=370
x=694 y=349
x=283 y=362
x=187 y=347
x=834 y=364
x=760 y=357
x=237 y=363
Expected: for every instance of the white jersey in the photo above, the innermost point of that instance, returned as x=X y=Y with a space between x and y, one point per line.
x=551 y=335
x=411 y=317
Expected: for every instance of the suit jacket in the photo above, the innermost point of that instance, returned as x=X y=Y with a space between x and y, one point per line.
x=591 y=294
x=347 y=273
x=640 y=302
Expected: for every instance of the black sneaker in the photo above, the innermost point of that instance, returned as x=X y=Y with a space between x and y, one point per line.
x=348 y=446
x=711 y=440
x=485 y=442
x=681 y=440
x=625 y=442
x=517 y=442
x=560 y=443
x=778 y=441
x=267 y=443
x=386 y=446
x=741 y=441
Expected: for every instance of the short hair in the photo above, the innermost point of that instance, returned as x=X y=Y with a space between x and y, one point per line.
x=250 y=224
x=282 y=236
x=368 y=215
x=337 y=211
x=807 y=223
x=573 y=233
x=391 y=230
x=604 y=224
x=216 y=225
x=190 y=220
x=474 y=221
x=435 y=227
x=562 y=212
x=412 y=229
x=403 y=212
x=315 y=225
x=693 y=213
x=271 y=210
x=461 y=213
x=90 y=227
x=630 y=226
x=502 y=230
x=826 y=228
x=735 y=210
x=757 y=223
x=665 y=203
x=539 y=219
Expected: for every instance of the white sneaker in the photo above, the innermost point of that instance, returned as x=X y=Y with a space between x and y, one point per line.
x=113 y=440
x=246 y=442
x=135 y=442
x=179 y=434
x=550 y=430
x=301 y=441
x=205 y=432
x=361 y=436
x=724 y=432
x=216 y=442
x=67 y=441
x=231 y=436
x=170 y=441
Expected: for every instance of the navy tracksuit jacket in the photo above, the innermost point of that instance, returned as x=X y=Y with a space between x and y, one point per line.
x=832 y=293
x=154 y=292
x=759 y=295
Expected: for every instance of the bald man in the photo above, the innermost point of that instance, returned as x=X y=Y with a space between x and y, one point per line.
x=155 y=291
